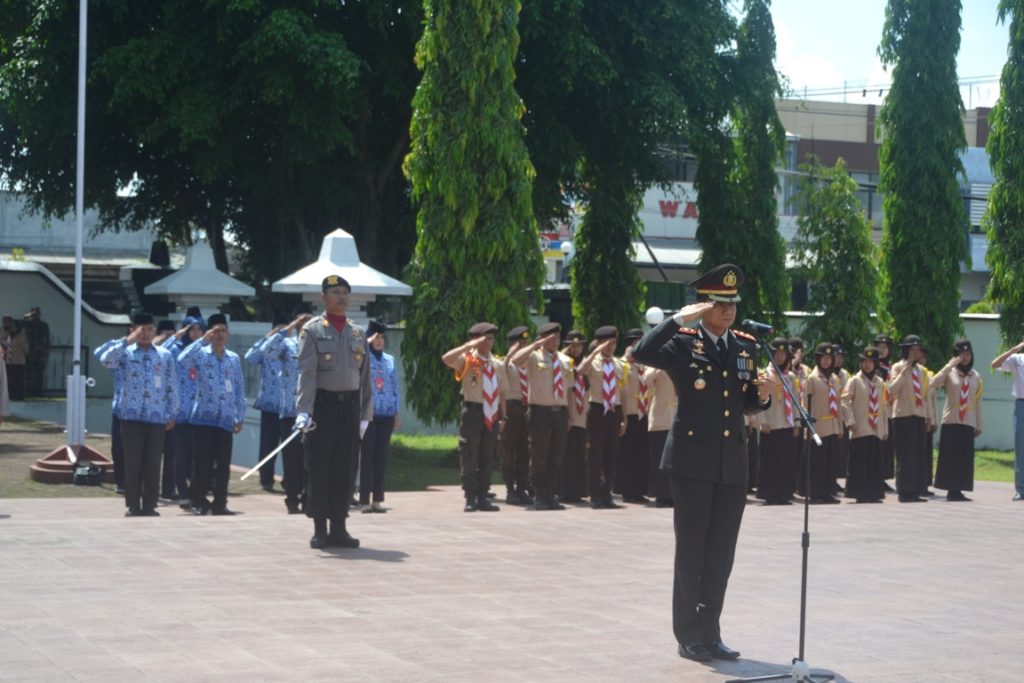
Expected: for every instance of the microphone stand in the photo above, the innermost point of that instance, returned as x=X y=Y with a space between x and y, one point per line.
x=801 y=672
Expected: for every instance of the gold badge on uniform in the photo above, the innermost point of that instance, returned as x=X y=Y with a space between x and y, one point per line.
x=327 y=356
x=698 y=347
x=699 y=384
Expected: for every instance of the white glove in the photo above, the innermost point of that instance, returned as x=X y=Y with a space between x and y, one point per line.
x=301 y=422
x=363 y=424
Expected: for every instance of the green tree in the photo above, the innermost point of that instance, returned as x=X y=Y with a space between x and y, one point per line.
x=924 y=239
x=478 y=247
x=607 y=83
x=277 y=121
x=1004 y=220
x=737 y=179
x=833 y=243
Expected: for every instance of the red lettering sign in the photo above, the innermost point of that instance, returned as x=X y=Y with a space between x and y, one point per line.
x=668 y=209
x=690 y=211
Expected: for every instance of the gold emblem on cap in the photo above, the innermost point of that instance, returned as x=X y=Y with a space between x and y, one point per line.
x=332 y=280
x=730 y=279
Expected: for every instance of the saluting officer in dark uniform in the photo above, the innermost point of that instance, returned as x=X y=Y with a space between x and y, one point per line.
x=715 y=374
x=334 y=391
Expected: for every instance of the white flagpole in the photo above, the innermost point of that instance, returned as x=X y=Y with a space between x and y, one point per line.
x=76 y=382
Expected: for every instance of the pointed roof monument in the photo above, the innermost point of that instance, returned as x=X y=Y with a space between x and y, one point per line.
x=199 y=282
x=339 y=256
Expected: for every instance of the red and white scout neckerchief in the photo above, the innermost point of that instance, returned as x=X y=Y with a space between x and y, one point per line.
x=608 y=385
x=490 y=394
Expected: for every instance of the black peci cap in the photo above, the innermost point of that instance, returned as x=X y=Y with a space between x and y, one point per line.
x=376 y=327
x=142 y=318
x=217 y=319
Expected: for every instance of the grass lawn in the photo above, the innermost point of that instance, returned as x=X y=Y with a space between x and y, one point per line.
x=416 y=463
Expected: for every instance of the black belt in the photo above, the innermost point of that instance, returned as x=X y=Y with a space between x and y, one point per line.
x=534 y=406
x=473 y=405
x=337 y=396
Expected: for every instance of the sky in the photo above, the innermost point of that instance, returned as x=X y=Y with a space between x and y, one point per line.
x=822 y=43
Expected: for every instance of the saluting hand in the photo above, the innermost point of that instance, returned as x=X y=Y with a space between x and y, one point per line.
x=693 y=312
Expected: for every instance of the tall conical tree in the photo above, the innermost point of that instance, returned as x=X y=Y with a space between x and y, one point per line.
x=924 y=230
x=833 y=242
x=737 y=180
x=478 y=248
x=1004 y=220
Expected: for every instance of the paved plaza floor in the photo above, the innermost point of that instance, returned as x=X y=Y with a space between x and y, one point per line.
x=897 y=593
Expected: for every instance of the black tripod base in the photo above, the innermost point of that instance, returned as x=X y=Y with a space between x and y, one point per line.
x=801 y=673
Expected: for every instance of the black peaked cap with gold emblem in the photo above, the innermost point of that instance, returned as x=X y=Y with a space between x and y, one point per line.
x=721 y=283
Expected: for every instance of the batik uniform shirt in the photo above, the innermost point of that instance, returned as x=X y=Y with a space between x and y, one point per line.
x=220 y=388
x=149 y=382
x=186 y=381
x=384 y=384
x=115 y=409
x=284 y=351
x=268 y=398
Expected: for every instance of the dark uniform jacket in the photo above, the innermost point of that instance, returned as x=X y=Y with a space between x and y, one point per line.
x=708 y=438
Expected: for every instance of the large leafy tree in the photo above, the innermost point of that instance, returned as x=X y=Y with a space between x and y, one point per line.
x=833 y=243
x=606 y=84
x=1004 y=220
x=737 y=181
x=477 y=252
x=924 y=240
x=276 y=120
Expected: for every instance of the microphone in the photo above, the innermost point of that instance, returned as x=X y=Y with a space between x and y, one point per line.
x=754 y=326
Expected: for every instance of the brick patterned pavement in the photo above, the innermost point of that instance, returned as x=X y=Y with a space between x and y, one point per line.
x=897 y=593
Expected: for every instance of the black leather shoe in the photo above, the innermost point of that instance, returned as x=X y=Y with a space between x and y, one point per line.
x=470 y=506
x=695 y=650
x=317 y=542
x=911 y=498
x=150 y=512
x=720 y=650
x=222 y=512
x=130 y=512
x=540 y=504
x=342 y=539
x=293 y=508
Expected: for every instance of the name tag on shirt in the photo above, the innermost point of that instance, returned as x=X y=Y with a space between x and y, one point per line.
x=157 y=382
x=228 y=386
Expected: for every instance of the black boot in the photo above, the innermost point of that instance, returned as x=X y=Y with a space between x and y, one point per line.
x=319 y=539
x=511 y=495
x=470 y=503
x=339 y=536
x=483 y=504
x=524 y=495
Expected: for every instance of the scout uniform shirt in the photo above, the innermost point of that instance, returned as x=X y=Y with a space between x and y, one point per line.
x=595 y=378
x=777 y=416
x=330 y=360
x=906 y=400
x=633 y=403
x=577 y=399
x=858 y=407
x=963 y=397
x=513 y=382
x=540 y=375
x=824 y=409
x=663 y=399
x=471 y=377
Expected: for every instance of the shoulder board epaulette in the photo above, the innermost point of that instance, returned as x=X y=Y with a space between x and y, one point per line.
x=743 y=335
x=688 y=330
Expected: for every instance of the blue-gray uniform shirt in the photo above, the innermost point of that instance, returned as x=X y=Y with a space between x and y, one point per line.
x=186 y=381
x=284 y=350
x=220 y=388
x=116 y=372
x=269 y=396
x=149 y=383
